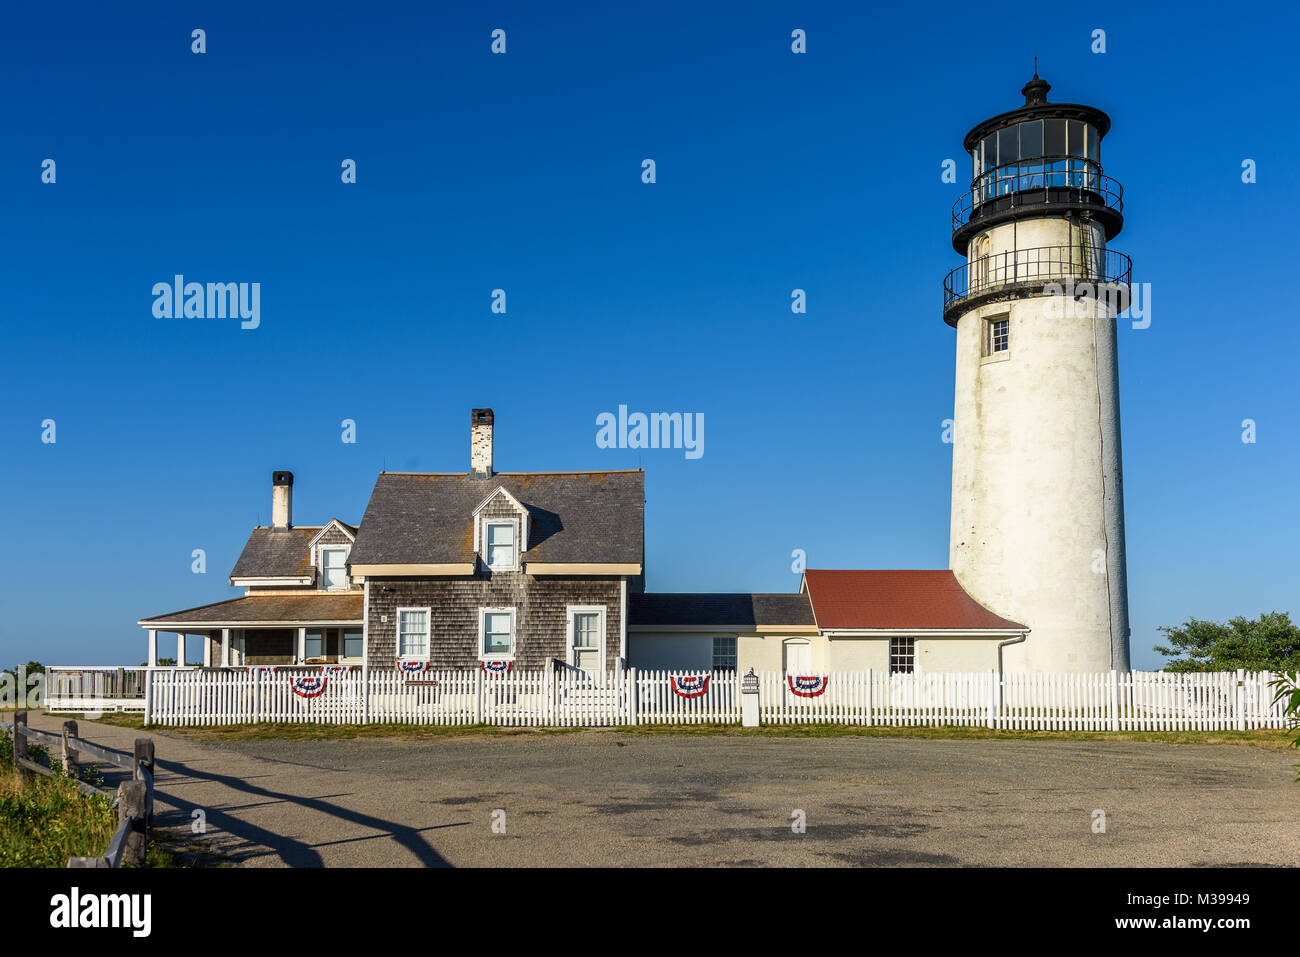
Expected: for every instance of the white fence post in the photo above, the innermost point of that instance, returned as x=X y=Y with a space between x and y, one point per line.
x=1114 y=700
x=1241 y=699
x=630 y=679
x=478 y=696
x=995 y=681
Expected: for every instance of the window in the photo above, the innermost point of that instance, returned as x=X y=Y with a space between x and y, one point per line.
x=413 y=633
x=314 y=644
x=587 y=638
x=902 y=656
x=333 y=567
x=496 y=632
x=354 y=645
x=500 y=547
x=997 y=335
x=724 y=653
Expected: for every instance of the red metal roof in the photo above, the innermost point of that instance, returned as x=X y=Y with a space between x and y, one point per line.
x=897 y=599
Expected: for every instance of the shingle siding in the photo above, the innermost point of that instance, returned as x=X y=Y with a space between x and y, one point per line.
x=541 y=616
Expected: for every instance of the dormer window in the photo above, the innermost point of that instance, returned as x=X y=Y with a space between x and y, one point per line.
x=499 y=551
x=333 y=567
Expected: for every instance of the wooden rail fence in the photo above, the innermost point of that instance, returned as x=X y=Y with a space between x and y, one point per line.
x=134 y=798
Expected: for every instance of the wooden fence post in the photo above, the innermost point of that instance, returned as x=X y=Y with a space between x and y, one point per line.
x=68 y=752
x=1241 y=699
x=629 y=678
x=478 y=696
x=131 y=806
x=20 y=738
x=144 y=762
x=995 y=691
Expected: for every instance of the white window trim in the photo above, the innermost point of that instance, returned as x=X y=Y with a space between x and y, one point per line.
x=570 y=611
x=482 y=634
x=515 y=524
x=713 y=655
x=320 y=567
x=397 y=633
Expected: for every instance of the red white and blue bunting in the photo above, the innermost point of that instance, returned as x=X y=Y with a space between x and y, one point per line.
x=689 y=686
x=807 y=686
x=496 y=667
x=335 y=669
x=255 y=669
x=307 y=686
x=412 y=667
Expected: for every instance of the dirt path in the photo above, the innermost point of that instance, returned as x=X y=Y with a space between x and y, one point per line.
x=604 y=797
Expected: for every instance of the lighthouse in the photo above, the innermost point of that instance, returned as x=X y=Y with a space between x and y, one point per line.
x=1037 y=531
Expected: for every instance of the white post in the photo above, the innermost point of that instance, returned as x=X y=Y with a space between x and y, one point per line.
x=225 y=647
x=148 y=686
x=180 y=649
x=207 y=651
x=1241 y=699
x=994 y=693
x=478 y=696
x=302 y=646
x=153 y=648
x=630 y=679
x=1114 y=700
x=749 y=700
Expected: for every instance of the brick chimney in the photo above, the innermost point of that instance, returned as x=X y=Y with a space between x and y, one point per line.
x=480 y=441
x=281 y=499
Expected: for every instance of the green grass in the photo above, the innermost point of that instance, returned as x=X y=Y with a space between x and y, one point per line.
x=1271 y=739
x=44 y=820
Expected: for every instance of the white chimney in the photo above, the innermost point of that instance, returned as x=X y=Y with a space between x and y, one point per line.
x=281 y=499
x=480 y=441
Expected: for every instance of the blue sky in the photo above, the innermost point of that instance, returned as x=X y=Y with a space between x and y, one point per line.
x=523 y=172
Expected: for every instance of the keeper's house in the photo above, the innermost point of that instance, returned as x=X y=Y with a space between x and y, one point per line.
x=465 y=569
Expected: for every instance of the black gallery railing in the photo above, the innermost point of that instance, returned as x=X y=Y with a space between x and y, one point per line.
x=1010 y=187
x=1037 y=265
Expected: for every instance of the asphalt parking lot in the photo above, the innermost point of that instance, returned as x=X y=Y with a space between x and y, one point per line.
x=613 y=798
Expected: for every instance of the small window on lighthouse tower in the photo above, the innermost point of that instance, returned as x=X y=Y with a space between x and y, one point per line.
x=997 y=337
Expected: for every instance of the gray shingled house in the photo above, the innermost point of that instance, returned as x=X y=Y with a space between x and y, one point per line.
x=455 y=569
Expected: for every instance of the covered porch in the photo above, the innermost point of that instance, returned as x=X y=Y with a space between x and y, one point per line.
x=280 y=629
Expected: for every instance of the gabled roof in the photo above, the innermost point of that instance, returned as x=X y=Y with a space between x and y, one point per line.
x=344 y=527
x=577 y=517
x=281 y=552
x=268 y=610
x=717 y=610
x=907 y=600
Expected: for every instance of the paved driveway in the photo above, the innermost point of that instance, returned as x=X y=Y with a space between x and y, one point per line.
x=604 y=797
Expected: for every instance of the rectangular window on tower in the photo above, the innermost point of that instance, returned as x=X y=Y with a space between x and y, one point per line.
x=997 y=336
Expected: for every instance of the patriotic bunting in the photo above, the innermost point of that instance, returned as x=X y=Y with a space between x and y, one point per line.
x=807 y=686
x=412 y=667
x=689 y=686
x=307 y=686
x=497 y=667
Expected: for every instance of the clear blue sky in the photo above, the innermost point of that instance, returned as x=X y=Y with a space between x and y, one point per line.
x=522 y=172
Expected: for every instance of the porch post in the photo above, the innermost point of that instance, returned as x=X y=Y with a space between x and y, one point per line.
x=302 y=645
x=207 y=650
x=153 y=648
x=180 y=649
x=225 y=647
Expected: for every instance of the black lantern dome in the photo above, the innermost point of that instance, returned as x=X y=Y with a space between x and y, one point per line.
x=1040 y=159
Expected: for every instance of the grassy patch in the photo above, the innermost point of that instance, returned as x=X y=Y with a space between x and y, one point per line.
x=44 y=821
x=1278 y=740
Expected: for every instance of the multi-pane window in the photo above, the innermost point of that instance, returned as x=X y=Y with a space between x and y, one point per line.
x=998 y=337
x=724 y=653
x=314 y=644
x=902 y=656
x=501 y=544
x=413 y=633
x=353 y=643
x=586 y=640
x=498 y=632
x=333 y=567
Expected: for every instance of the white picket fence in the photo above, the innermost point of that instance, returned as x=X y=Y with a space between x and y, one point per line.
x=1106 y=701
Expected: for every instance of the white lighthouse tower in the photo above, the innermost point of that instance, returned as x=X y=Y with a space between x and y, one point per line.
x=1037 y=496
